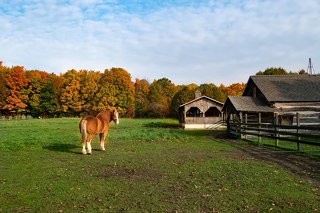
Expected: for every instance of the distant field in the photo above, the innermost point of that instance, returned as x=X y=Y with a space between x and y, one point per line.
x=150 y=166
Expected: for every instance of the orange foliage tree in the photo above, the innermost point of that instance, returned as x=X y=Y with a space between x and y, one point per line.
x=4 y=91
x=16 y=82
x=89 y=83
x=77 y=92
x=70 y=93
x=235 y=89
x=141 y=97
x=116 y=90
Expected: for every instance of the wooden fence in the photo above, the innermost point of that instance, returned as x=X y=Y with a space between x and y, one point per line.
x=245 y=127
x=17 y=117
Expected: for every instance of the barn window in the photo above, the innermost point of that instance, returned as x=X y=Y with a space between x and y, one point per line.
x=194 y=112
x=254 y=92
x=212 y=112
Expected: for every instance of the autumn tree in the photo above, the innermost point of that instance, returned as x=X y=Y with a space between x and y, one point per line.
x=235 y=89
x=141 y=97
x=16 y=83
x=57 y=85
x=212 y=91
x=302 y=72
x=89 y=83
x=160 y=96
x=116 y=90
x=49 y=105
x=70 y=93
x=273 y=71
x=37 y=81
x=184 y=95
x=3 y=89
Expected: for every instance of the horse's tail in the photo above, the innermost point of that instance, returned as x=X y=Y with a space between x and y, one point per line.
x=83 y=129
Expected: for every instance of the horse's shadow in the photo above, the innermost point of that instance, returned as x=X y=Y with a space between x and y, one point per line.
x=58 y=147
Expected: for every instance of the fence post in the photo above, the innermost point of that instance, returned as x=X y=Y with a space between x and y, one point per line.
x=276 y=129
x=230 y=123
x=240 y=125
x=246 y=121
x=298 y=137
x=259 y=132
x=205 y=122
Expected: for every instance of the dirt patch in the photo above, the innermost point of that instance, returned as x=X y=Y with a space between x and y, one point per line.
x=193 y=156
x=301 y=165
x=134 y=174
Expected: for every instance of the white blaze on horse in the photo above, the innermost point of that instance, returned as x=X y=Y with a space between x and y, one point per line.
x=91 y=126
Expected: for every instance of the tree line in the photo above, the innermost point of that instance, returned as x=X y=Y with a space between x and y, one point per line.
x=76 y=93
x=79 y=92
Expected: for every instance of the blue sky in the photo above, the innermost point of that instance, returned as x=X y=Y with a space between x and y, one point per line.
x=194 y=41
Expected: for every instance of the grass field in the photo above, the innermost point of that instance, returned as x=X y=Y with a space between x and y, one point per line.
x=304 y=149
x=149 y=166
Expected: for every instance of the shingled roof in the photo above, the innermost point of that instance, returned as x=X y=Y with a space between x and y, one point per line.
x=202 y=97
x=288 y=88
x=248 y=104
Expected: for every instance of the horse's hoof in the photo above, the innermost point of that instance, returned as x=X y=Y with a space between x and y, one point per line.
x=89 y=153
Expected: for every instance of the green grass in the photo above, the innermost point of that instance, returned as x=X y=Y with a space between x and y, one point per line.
x=304 y=149
x=150 y=166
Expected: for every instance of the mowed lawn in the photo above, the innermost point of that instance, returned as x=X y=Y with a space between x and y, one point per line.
x=149 y=165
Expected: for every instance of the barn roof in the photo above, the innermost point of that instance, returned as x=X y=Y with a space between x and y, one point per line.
x=248 y=104
x=288 y=88
x=202 y=97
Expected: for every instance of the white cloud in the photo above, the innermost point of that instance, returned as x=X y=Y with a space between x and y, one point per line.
x=190 y=42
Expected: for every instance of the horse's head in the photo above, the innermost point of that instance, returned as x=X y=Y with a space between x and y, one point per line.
x=115 y=116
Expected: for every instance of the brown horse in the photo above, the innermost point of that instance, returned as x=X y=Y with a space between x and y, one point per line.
x=90 y=126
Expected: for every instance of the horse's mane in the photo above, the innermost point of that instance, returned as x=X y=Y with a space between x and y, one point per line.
x=110 y=111
x=91 y=113
x=95 y=113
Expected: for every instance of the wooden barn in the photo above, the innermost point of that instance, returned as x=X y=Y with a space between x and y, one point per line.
x=201 y=113
x=287 y=98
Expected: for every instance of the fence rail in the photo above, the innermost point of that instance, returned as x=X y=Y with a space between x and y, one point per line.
x=299 y=134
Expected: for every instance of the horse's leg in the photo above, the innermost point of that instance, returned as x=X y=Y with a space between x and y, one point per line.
x=89 y=143
x=84 y=135
x=89 y=147
x=102 y=139
x=84 y=151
